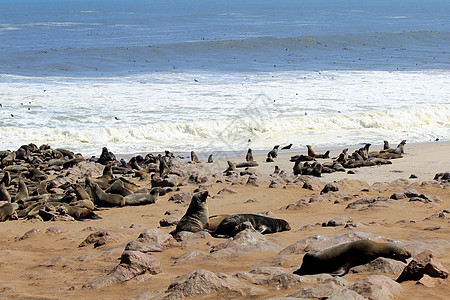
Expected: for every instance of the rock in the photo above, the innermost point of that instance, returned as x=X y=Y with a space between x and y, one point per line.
x=152 y=240
x=398 y=196
x=330 y=187
x=297 y=205
x=255 y=181
x=339 y=221
x=427 y=281
x=346 y=294
x=227 y=190
x=169 y=221
x=132 y=264
x=381 y=265
x=318 y=290
x=422 y=264
x=411 y=193
x=280 y=281
x=99 y=238
x=30 y=233
x=243 y=243
x=369 y=202
x=191 y=256
x=181 y=197
x=377 y=287
x=202 y=282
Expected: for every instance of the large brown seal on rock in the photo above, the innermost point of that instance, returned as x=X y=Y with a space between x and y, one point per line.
x=230 y=225
x=196 y=216
x=339 y=259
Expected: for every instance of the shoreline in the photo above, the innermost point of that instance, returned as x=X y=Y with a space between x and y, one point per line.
x=420 y=159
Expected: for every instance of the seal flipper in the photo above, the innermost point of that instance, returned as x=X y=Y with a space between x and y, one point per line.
x=342 y=270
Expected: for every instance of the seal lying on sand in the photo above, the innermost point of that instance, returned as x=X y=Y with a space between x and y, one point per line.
x=196 y=216
x=229 y=226
x=339 y=259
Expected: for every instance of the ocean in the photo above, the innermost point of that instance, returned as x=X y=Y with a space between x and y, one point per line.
x=147 y=76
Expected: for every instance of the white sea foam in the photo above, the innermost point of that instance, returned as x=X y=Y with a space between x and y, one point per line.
x=182 y=111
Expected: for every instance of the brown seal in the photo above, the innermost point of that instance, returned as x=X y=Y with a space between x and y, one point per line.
x=196 y=216
x=214 y=221
x=194 y=157
x=339 y=259
x=312 y=153
x=7 y=210
x=103 y=199
x=22 y=191
x=4 y=195
x=230 y=225
x=210 y=159
x=273 y=153
x=249 y=156
x=142 y=198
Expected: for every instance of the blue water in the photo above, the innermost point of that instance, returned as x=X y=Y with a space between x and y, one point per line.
x=88 y=38
x=222 y=75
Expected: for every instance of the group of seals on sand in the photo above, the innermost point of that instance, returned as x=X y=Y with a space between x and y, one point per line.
x=27 y=192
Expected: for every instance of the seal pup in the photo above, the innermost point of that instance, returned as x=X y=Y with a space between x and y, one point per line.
x=196 y=216
x=194 y=157
x=210 y=159
x=229 y=227
x=386 y=145
x=287 y=147
x=7 y=210
x=339 y=259
x=249 y=156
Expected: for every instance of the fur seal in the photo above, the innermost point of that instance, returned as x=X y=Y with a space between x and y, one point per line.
x=22 y=191
x=339 y=259
x=6 y=179
x=194 y=157
x=312 y=153
x=4 y=195
x=103 y=199
x=249 y=156
x=287 y=147
x=7 y=210
x=196 y=216
x=210 y=159
x=214 y=221
x=273 y=153
x=118 y=188
x=229 y=226
x=142 y=198
x=163 y=167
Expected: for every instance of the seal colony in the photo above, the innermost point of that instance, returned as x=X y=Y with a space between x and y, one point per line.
x=269 y=218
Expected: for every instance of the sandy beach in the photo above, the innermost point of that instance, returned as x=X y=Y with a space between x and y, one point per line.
x=47 y=262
